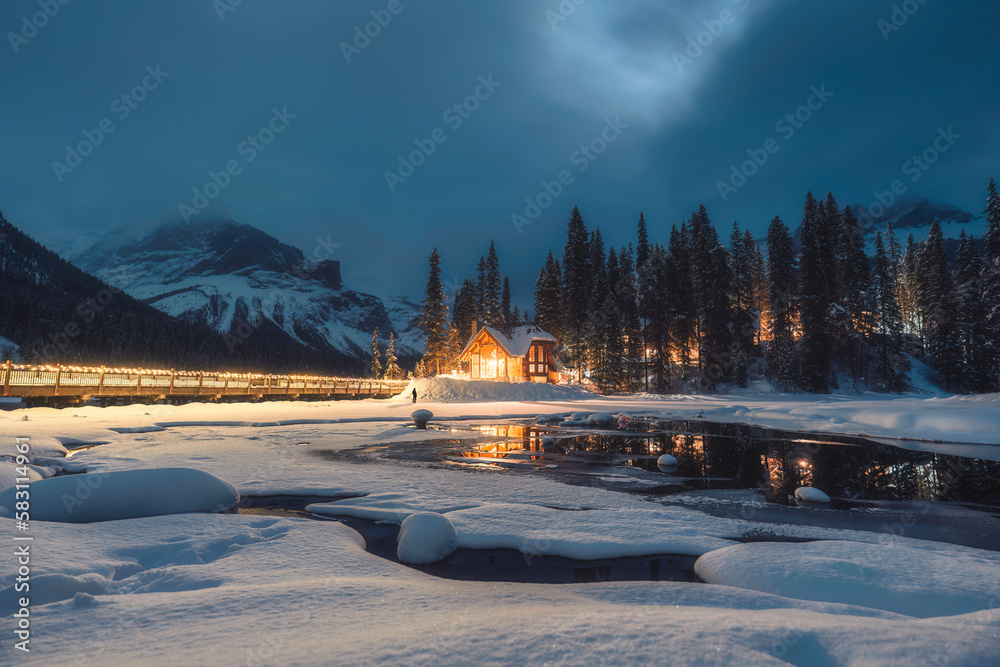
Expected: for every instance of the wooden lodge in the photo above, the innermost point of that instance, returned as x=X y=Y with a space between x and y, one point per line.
x=512 y=354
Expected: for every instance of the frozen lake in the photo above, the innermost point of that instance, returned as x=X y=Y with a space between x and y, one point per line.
x=578 y=550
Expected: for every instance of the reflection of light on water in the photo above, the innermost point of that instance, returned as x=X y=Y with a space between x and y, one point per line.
x=504 y=430
x=753 y=458
x=529 y=436
x=519 y=439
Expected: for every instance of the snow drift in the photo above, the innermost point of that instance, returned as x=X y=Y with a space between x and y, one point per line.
x=914 y=582
x=126 y=494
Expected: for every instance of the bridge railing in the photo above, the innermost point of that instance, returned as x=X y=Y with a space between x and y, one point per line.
x=40 y=381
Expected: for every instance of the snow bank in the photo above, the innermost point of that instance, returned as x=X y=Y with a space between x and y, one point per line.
x=9 y=474
x=46 y=588
x=126 y=494
x=47 y=458
x=425 y=537
x=390 y=506
x=573 y=532
x=586 y=535
x=453 y=390
x=910 y=581
x=45 y=447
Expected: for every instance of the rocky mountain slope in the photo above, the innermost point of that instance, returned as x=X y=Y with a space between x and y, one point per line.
x=235 y=278
x=57 y=312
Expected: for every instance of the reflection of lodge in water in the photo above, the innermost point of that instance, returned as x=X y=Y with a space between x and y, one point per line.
x=737 y=456
x=516 y=438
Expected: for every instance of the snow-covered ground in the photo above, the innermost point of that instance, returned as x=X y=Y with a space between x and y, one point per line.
x=211 y=588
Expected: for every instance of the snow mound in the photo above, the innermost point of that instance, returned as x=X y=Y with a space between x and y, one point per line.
x=603 y=419
x=9 y=474
x=667 y=463
x=548 y=419
x=426 y=537
x=55 y=587
x=453 y=390
x=125 y=494
x=808 y=494
x=421 y=417
x=45 y=447
x=910 y=581
x=44 y=471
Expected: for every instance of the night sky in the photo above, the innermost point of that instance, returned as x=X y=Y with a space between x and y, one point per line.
x=309 y=116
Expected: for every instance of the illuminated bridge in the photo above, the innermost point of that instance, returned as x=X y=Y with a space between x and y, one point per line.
x=67 y=385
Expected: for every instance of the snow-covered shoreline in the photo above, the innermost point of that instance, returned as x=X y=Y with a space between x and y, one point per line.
x=972 y=419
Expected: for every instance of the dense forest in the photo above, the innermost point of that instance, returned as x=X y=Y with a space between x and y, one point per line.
x=811 y=311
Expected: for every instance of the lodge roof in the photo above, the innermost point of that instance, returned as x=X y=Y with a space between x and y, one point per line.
x=516 y=341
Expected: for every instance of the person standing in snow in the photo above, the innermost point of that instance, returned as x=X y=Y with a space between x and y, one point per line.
x=414 y=394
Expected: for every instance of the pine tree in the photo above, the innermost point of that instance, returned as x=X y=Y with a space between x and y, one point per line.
x=576 y=286
x=492 y=307
x=855 y=300
x=596 y=265
x=973 y=334
x=907 y=290
x=782 y=358
x=505 y=302
x=992 y=237
x=991 y=287
x=392 y=369
x=936 y=294
x=893 y=249
x=595 y=331
x=744 y=317
x=815 y=300
x=627 y=296
x=891 y=364
x=655 y=276
x=712 y=292
x=604 y=322
x=758 y=279
x=718 y=322
x=642 y=250
x=376 y=365
x=682 y=314
x=548 y=297
x=515 y=316
x=463 y=315
x=481 y=290
x=831 y=233
x=434 y=316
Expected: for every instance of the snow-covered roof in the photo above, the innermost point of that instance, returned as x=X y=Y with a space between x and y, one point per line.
x=519 y=341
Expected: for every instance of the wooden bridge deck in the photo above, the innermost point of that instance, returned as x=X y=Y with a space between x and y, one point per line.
x=66 y=384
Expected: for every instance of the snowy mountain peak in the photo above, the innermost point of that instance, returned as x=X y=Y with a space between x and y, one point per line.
x=177 y=250
x=233 y=276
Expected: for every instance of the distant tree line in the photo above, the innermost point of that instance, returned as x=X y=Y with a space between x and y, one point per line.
x=804 y=311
